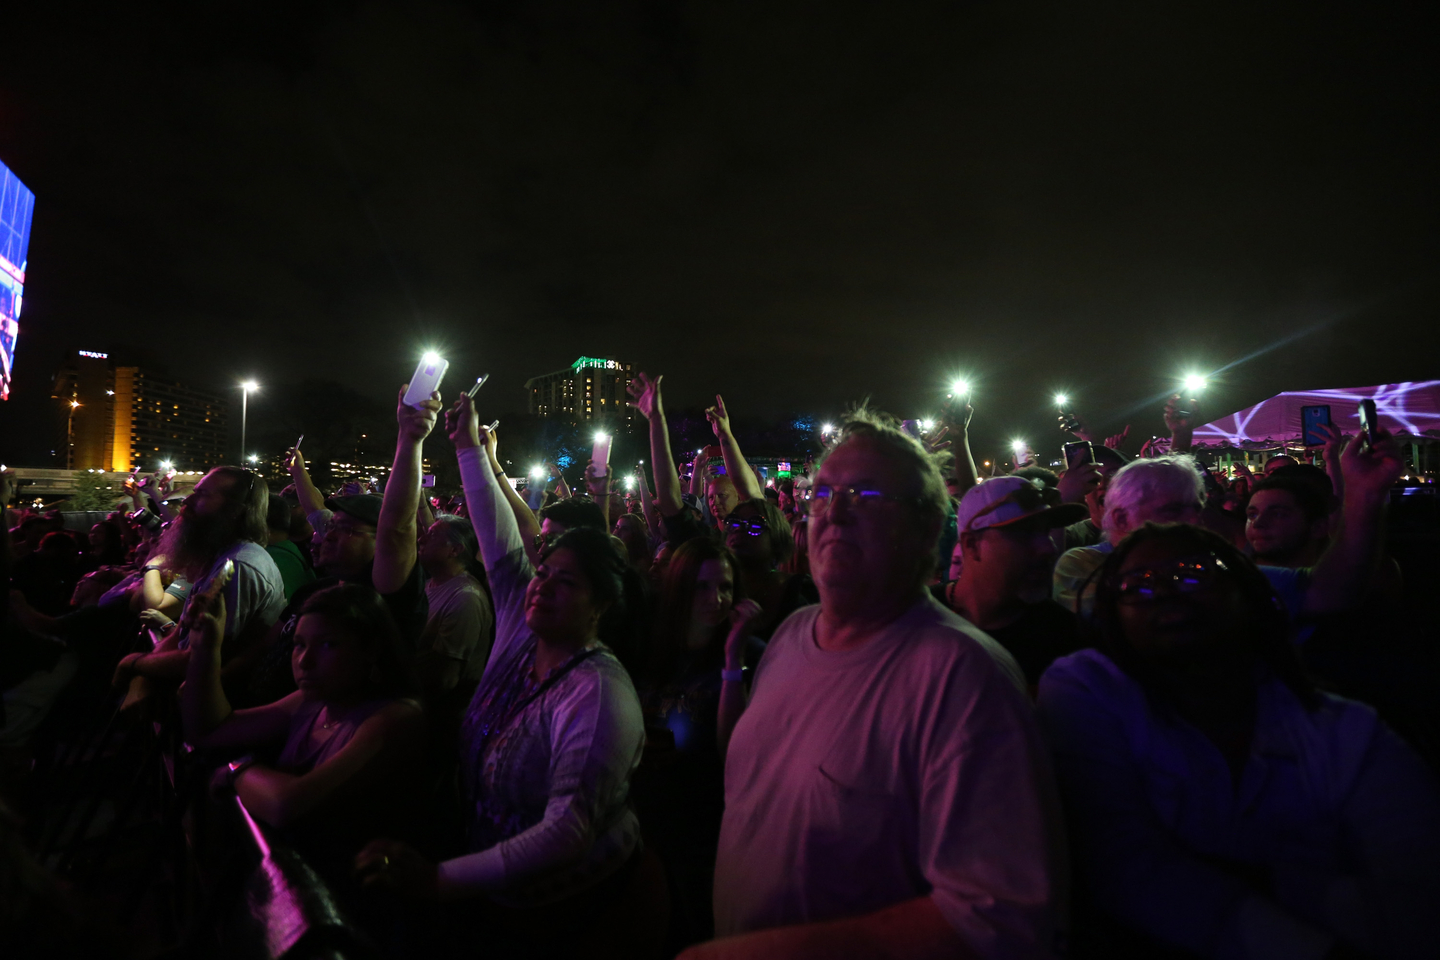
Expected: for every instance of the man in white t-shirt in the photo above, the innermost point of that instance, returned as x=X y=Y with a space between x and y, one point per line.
x=455 y=644
x=886 y=788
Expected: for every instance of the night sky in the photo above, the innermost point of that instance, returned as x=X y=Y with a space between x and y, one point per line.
x=796 y=204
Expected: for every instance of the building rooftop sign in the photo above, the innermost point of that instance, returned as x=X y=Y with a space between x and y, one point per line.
x=94 y=355
x=585 y=362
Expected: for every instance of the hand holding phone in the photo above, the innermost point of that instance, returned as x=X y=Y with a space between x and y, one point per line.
x=1369 y=421
x=426 y=379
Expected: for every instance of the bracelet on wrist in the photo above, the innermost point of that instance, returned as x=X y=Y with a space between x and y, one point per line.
x=238 y=767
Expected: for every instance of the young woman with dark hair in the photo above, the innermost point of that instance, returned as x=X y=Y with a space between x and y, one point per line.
x=1220 y=805
x=347 y=740
x=547 y=746
x=680 y=788
x=759 y=536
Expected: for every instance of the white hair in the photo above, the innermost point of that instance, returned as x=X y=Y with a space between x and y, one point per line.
x=1177 y=475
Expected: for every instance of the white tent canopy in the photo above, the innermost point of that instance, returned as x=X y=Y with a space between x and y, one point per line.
x=1410 y=411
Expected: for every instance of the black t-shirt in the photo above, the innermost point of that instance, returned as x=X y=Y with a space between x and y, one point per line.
x=1044 y=633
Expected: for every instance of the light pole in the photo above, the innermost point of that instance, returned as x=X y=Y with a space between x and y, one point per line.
x=246 y=388
x=70 y=436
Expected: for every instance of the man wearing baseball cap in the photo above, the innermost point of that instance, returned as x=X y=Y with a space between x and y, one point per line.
x=1006 y=528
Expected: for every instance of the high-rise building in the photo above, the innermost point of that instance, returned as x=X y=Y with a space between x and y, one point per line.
x=119 y=417
x=590 y=389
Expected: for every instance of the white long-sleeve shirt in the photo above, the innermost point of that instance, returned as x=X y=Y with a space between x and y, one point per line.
x=548 y=790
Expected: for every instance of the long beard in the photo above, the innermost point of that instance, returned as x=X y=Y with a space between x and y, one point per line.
x=191 y=544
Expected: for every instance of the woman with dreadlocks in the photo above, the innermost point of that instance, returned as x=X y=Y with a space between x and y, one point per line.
x=1221 y=806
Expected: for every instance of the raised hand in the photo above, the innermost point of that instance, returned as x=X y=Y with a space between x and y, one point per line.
x=1371 y=469
x=1173 y=420
x=416 y=422
x=1078 y=481
x=645 y=394
x=204 y=618
x=718 y=417
x=1117 y=441
x=935 y=441
x=741 y=616
x=463 y=426
x=294 y=461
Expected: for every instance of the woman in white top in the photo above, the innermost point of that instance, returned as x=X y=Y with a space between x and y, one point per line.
x=549 y=742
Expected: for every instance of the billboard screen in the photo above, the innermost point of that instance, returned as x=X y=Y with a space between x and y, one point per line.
x=16 y=205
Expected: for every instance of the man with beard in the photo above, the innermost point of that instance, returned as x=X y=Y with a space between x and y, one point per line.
x=365 y=539
x=223 y=518
x=1005 y=527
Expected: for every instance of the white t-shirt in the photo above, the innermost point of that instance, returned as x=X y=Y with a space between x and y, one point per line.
x=462 y=622
x=909 y=766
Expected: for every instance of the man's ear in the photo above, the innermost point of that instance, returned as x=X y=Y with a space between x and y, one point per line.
x=970 y=544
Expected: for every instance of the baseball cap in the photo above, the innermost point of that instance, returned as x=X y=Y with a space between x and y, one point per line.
x=364 y=507
x=1002 y=501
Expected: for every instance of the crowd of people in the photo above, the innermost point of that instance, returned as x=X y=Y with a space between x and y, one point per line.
x=880 y=708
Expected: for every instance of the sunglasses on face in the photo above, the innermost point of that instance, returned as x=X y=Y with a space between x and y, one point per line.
x=751 y=525
x=826 y=495
x=1187 y=575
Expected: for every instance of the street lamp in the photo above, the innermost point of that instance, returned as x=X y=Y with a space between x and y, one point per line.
x=246 y=388
x=70 y=436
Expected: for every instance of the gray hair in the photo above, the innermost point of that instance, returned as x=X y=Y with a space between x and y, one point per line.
x=460 y=533
x=1141 y=480
x=885 y=431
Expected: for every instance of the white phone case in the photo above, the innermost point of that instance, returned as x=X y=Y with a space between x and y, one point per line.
x=426 y=380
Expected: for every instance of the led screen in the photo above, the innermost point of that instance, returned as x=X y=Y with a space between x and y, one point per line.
x=16 y=206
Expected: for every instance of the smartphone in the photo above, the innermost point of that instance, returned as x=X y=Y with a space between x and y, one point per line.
x=1185 y=409
x=1212 y=486
x=600 y=452
x=426 y=379
x=1312 y=417
x=1369 y=420
x=1078 y=453
x=1068 y=422
x=299 y=441
x=427 y=480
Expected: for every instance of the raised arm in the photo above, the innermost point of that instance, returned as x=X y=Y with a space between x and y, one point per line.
x=395 y=534
x=645 y=397
x=305 y=490
x=598 y=486
x=957 y=419
x=490 y=512
x=747 y=485
x=647 y=507
x=205 y=711
x=1182 y=429
x=525 y=518
x=1346 y=572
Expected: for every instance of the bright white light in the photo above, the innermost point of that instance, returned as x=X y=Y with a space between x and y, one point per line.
x=1194 y=382
x=1019 y=446
x=537 y=473
x=629 y=483
x=249 y=386
x=960 y=388
x=600 y=438
x=254 y=457
x=430 y=356
x=827 y=428
x=74 y=404
x=164 y=464
x=1061 y=400
x=927 y=425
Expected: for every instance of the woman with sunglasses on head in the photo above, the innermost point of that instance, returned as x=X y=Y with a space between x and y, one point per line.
x=1220 y=805
x=547 y=745
x=701 y=623
x=759 y=536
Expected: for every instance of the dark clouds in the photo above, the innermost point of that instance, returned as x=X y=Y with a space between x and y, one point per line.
x=796 y=204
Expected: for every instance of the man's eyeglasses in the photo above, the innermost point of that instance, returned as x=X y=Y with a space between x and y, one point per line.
x=825 y=495
x=751 y=525
x=1187 y=575
x=343 y=529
